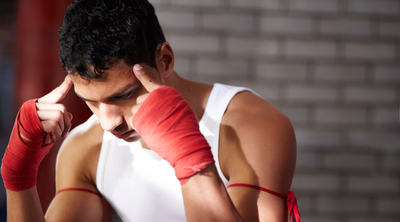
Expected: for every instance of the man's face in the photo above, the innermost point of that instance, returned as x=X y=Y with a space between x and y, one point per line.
x=111 y=99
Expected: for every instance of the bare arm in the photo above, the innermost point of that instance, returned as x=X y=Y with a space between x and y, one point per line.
x=257 y=147
x=23 y=204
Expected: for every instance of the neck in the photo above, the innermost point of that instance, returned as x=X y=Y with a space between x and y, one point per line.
x=196 y=94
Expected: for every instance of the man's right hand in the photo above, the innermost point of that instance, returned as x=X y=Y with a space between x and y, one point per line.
x=54 y=116
x=37 y=126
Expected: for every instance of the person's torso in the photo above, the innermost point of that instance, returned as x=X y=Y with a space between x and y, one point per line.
x=139 y=185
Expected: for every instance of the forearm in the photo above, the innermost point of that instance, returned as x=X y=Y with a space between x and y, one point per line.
x=24 y=206
x=206 y=199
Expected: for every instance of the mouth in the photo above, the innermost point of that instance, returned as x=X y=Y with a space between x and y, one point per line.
x=125 y=134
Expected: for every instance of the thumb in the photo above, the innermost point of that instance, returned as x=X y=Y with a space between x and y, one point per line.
x=148 y=82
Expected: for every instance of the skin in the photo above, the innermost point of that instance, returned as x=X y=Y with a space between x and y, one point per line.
x=251 y=151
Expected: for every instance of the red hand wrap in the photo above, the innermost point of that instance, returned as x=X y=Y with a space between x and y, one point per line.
x=169 y=127
x=22 y=158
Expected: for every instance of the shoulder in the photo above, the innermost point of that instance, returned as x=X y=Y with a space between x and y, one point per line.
x=78 y=156
x=257 y=140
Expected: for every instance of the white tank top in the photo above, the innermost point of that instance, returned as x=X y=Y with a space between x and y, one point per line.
x=141 y=186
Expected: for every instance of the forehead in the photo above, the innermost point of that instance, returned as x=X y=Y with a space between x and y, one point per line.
x=113 y=80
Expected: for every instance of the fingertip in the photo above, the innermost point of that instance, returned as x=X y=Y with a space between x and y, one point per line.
x=137 y=67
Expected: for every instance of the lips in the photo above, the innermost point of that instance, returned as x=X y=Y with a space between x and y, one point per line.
x=125 y=134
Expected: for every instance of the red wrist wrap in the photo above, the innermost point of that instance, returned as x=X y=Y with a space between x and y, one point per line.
x=22 y=158
x=169 y=127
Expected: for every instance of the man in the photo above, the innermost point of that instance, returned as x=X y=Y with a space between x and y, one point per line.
x=143 y=149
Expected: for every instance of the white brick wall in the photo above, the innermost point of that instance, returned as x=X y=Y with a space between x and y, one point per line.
x=228 y=21
x=332 y=66
x=349 y=161
x=310 y=49
x=343 y=73
x=287 y=25
x=256 y=4
x=334 y=204
x=341 y=116
x=314 y=5
x=373 y=184
x=389 y=7
x=370 y=51
x=344 y=26
x=252 y=47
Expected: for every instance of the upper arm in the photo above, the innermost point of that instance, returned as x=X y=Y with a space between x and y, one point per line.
x=258 y=147
x=76 y=168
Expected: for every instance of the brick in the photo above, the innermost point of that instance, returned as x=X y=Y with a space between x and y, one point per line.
x=256 y=4
x=174 y=19
x=318 y=138
x=196 y=3
x=309 y=218
x=228 y=21
x=387 y=73
x=349 y=161
x=387 y=116
x=380 y=141
x=371 y=94
x=370 y=51
x=391 y=162
x=306 y=160
x=310 y=49
x=268 y=92
x=315 y=182
x=342 y=26
x=389 y=29
x=311 y=93
x=390 y=7
x=304 y=203
x=375 y=219
x=221 y=67
x=389 y=205
x=339 y=73
x=374 y=184
x=340 y=116
x=252 y=47
x=182 y=66
x=314 y=5
x=343 y=205
x=194 y=43
x=281 y=71
x=296 y=115
x=286 y=25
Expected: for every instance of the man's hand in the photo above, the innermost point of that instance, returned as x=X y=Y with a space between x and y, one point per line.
x=54 y=116
x=169 y=127
x=37 y=126
x=148 y=83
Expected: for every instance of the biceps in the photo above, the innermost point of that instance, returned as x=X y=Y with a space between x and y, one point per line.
x=75 y=206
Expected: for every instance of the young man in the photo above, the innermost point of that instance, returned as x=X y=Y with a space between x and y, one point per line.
x=158 y=147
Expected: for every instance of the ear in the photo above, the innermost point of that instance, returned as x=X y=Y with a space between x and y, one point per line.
x=165 y=59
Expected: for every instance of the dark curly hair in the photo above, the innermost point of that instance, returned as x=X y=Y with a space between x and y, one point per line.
x=98 y=33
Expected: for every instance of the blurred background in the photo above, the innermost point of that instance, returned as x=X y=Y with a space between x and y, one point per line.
x=332 y=66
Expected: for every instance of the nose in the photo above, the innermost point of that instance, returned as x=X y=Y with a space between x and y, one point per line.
x=110 y=116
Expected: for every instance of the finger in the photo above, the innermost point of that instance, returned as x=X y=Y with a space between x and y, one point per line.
x=54 y=116
x=140 y=99
x=148 y=82
x=58 y=93
x=51 y=126
x=65 y=125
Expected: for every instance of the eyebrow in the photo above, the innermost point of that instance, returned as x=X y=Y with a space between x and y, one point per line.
x=113 y=96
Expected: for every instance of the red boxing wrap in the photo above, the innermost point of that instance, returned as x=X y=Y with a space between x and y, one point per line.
x=169 y=127
x=22 y=158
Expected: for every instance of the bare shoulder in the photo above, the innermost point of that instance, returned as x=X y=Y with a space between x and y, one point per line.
x=258 y=144
x=78 y=156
